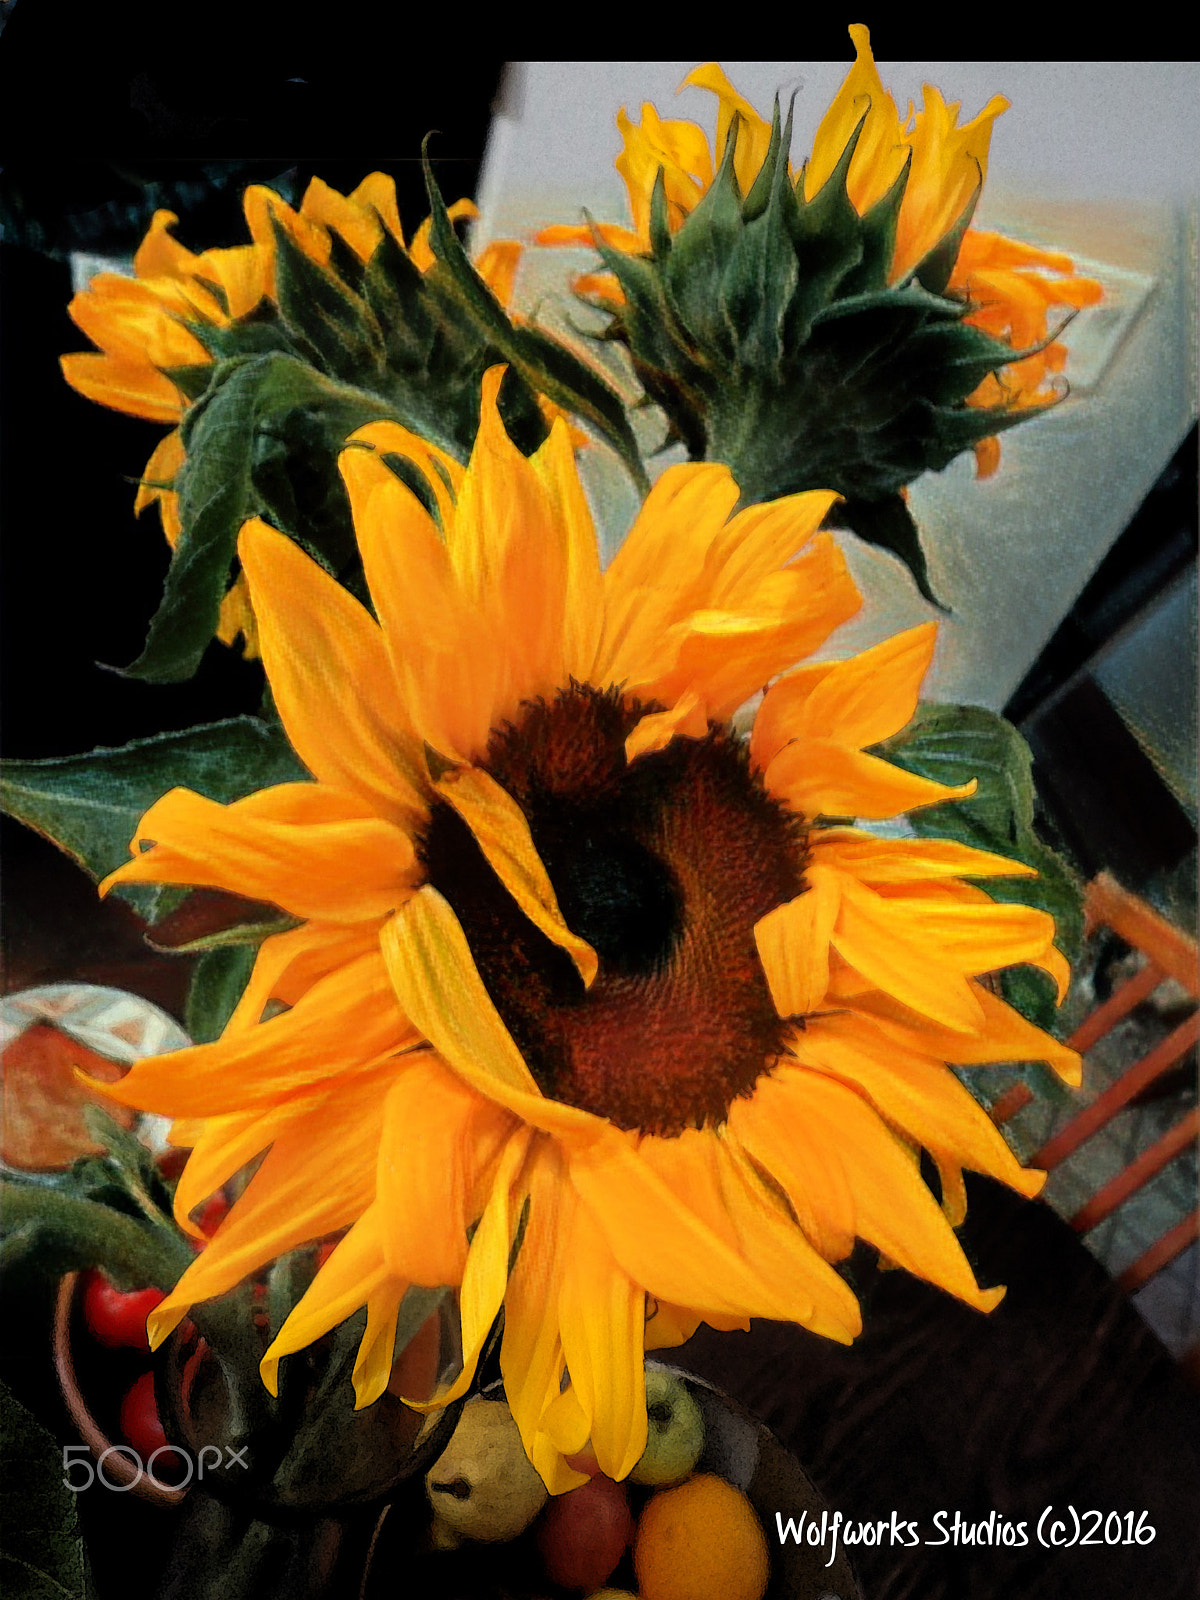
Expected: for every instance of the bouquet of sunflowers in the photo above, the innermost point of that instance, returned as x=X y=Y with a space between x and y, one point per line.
x=585 y=952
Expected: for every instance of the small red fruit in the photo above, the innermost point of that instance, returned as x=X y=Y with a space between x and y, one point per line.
x=142 y=1426
x=209 y=1218
x=584 y=1533
x=118 y=1319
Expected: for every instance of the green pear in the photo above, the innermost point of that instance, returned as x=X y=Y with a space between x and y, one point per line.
x=483 y=1487
x=674 y=1431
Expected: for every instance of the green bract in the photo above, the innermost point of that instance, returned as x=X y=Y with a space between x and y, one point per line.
x=766 y=329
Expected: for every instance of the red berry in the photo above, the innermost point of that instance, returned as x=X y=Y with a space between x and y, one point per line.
x=118 y=1319
x=209 y=1218
x=142 y=1426
x=584 y=1533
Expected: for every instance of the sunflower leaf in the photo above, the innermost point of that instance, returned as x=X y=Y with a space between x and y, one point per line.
x=90 y=805
x=44 y=1556
x=214 y=499
x=218 y=983
x=954 y=744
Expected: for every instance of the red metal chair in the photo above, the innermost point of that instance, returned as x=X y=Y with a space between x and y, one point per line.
x=1170 y=953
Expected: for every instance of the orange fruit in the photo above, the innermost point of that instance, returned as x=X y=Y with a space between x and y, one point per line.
x=700 y=1541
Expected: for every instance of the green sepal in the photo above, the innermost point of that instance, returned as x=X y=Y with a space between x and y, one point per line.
x=660 y=228
x=90 y=805
x=954 y=744
x=192 y=381
x=888 y=523
x=214 y=497
x=44 y=1557
x=327 y=320
x=768 y=331
x=547 y=367
x=935 y=270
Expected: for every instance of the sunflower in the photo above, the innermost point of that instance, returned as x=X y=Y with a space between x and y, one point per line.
x=150 y=328
x=578 y=966
x=1011 y=287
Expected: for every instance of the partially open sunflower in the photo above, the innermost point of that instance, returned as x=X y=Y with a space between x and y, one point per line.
x=577 y=964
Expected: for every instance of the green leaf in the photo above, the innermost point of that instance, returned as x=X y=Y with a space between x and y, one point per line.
x=43 y=1556
x=218 y=983
x=547 y=366
x=953 y=744
x=90 y=805
x=214 y=500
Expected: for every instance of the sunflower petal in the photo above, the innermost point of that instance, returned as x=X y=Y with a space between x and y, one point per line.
x=348 y=1019
x=602 y=1318
x=793 y=944
x=817 y=777
x=430 y=964
x=305 y=848
x=434 y=1134
x=354 y=1272
x=502 y=833
x=319 y=645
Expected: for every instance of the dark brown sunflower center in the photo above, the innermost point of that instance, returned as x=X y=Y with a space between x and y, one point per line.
x=663 y=866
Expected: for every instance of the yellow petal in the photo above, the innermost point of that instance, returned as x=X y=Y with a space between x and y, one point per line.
x=793 y=944
x=817 y=777
x=486 y=1274
x=125 y=385
x=434 y=1134
x=801 y=1126
x=303 y=847
x=347 y=1021
x=353 y=1273
x=602 y=1318
x=915 y=1093
x=451 y=694
x=727 y=656
x=289 y=963
x=687 y=718
x=167 y=459
x=433 y=971
x=672 y=1239
x=713 y=1171
x=328 y=667
x=893 y=946
x=754 y=133
x=880 y=153
x=583 y=593
x=1004 y=1036
x=502 y=833
x=857 y=702
x=885 y=861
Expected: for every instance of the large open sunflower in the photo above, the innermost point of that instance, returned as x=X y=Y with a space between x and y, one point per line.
x=576 y=962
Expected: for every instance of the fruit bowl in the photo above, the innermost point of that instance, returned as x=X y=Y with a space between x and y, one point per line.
x=738 y=1451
